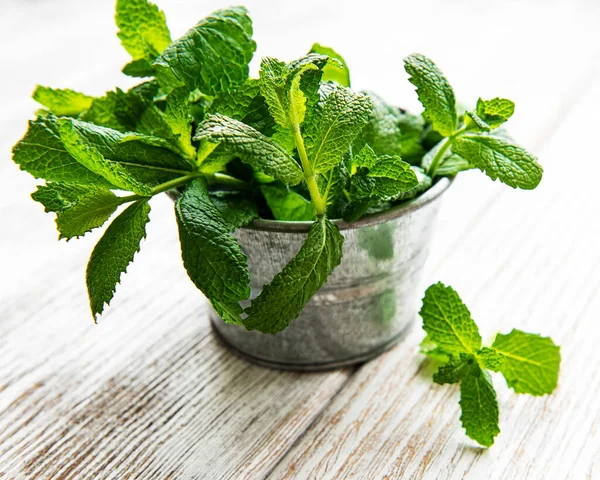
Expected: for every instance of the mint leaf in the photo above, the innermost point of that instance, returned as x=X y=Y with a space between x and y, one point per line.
x=435 y=93
x=92 y=159
x=490 y=359
x=336 y=69
x=273 y=74
x=62 y=102
x=452 y=165
x=78 y=209
x=495 y=112
x=252 y=146
x=114 y=252
x=143 y=29
x=139 y=68
x=430 y=348
x=286 y=204
x=237 y=103
x=174 y=124
x=531 y=362
x=480 y=412
x=284 y=298
x=447 y=321
x=121 y=110
x=389 y=131
x=455 y=370
x=211 y=255
x=384 y=177
x=337 y=121
x=149 y=160
x=42 y=154
x=288 y=89
x=498 y=158
x=236 y=209
x=212 y=57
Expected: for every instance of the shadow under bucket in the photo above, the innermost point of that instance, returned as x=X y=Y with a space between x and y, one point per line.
x=366 y=305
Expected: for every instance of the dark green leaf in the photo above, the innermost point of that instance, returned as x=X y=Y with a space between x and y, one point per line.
x=455 y=370
x=211 y=254
x=284 y=298
x=149 y=160
x=114 y=252
x=78 y=208
x=91 y=158
x=212 y=57
x=252 y=146
x=236 y=209
x=42 y=154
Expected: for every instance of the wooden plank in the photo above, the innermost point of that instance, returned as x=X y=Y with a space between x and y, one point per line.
x=146 y=394
x=530 y=262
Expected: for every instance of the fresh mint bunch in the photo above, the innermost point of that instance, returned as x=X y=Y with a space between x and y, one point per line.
x=472 y=143
x=529 y=363
x=294 y=144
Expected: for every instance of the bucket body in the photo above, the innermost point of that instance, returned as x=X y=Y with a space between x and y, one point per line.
x=368 y=302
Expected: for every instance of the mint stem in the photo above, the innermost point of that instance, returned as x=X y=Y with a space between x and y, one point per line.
x=438 y=157
x=212 y=179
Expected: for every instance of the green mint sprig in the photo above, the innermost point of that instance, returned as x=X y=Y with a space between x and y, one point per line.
x=529 y=363
x=473 y=141
x=295 y=144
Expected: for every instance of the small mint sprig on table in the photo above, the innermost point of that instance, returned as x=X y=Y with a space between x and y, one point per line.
x=529 y=363
x=472 y=144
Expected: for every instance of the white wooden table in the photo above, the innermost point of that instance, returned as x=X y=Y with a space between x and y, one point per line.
x=150 y=394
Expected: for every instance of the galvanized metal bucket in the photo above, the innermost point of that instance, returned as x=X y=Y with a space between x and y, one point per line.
x=367 y=303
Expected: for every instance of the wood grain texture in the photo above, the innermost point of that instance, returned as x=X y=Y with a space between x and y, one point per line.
x=535 y=271
x=150 y=394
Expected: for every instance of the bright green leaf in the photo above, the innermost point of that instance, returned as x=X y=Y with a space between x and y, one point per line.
x=447 y=321
x=490 y=359
x=531 y=362
x=336 y=69
x=62 y=102
x=498 y=158
x=495 y=112
x=339 y=118
x=480 y=412
x=384 y=177
x=286 y=204
x=434 y=91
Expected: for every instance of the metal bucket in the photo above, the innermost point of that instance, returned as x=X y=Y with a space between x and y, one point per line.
x=366 y=305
